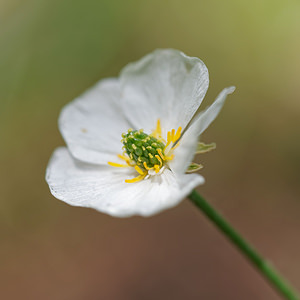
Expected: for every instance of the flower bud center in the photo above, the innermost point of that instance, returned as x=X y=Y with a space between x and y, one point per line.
x=142 y=148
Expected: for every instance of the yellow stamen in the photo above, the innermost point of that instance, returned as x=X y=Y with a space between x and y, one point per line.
x=169 y=157
x=160 y=153
x=123 y=156
x=158 y=127
x=139 y=170
x=117 y=165
x=172 y=135
x=157 y=132
x=169 y=140
x=146 y=167
x=177 y=135
x=129 y=162
x=159 y=159
x=136 y=179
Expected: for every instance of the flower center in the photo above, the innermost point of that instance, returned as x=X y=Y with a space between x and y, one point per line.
x=144 y=149
x=147 y=153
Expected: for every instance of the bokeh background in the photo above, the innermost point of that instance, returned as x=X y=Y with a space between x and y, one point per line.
x=51 y=51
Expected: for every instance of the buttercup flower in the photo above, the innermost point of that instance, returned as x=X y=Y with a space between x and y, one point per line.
x=130 y=140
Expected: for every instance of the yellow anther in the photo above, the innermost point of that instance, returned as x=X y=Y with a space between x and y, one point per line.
x=178 y=134
x=172 y=135
x=136 y=179
x=156 y=168
x=146 y=166
x=160 y=153
x=117 y=165
x=134 y=146
x=143 y=148
x=159 y=159
x=169 y=137
x=157 y=132
x=169 y=157
x=158 y=128
x=150 y=155
x=139 y=170
x=123 y=157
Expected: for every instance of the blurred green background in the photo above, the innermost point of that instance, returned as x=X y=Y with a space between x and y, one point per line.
x=51 y=51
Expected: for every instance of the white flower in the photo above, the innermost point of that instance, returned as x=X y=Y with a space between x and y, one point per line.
x=158 y=94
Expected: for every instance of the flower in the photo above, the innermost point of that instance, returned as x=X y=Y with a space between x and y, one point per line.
x=149 y=108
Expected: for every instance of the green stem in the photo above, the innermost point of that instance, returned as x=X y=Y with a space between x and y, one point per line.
x=263 y=266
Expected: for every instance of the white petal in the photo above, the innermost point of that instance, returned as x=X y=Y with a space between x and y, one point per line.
x=104 y=189
x=206 y=117
x=165 y=85
x=93 y=123
x=185 y=152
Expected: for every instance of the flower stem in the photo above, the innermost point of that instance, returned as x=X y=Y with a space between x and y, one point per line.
x=263 y=266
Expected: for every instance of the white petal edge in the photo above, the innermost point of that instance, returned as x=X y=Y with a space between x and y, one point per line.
x=104 y=189
x=92 y=124
x=165 y=84
x=185 y=152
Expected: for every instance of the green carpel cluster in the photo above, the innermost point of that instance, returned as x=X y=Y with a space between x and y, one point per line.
x=141 y=147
